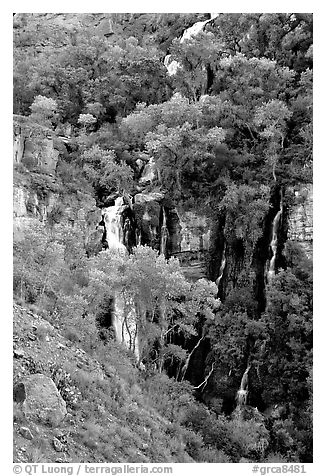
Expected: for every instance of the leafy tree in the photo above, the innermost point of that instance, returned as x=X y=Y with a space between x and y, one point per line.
x=197 y=60
x=286 y=353
x=272 y=118
x=283 y=37
x=163 y=299
x=86 y=120
x=186 y=141
x=44 y=110
x=245 y=209
x=38 y=265
x=103 y=170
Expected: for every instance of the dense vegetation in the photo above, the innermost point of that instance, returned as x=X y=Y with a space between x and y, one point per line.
x=231 y=135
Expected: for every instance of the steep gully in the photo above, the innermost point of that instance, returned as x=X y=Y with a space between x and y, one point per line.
x=116 y=236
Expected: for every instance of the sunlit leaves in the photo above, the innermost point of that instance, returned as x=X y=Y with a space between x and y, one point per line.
x=245 y=208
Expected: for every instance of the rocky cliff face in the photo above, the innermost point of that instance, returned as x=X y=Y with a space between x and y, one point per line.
x=195 y=242
x=139 y=25
x=78 y=211
x=151 y=219
x=36 y=147
x=300 y=227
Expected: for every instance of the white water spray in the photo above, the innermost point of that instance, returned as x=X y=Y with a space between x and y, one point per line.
x=173 y=66
x=124 y=314
x=242 y=394
x=196 y=28
x=164 y=235
x=274 y=241
x=113 y=225
x=221 y=271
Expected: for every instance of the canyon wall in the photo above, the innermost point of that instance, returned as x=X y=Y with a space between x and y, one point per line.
x=300 y=228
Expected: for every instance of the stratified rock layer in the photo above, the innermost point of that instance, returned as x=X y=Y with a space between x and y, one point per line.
x=301 y=219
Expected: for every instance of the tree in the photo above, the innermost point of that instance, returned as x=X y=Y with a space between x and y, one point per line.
x=283 y=37
x=44 y=111
x=197 y=60
x=163 y=300
x=186 y=142
x=286 y=353
x=38 y=265
x=272 y=117
x=245 y=208
x=105 y=172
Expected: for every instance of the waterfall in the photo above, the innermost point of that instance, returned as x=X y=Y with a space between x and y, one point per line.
x=173 y=66
x=113 y=225
x=223 y=263
x=273 y=244
x=124 y=314
x=196 y=28
x=164 y=235
x=149 y=172
x=242 y=393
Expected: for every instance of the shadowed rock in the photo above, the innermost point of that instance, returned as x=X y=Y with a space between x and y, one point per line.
x=41 y=399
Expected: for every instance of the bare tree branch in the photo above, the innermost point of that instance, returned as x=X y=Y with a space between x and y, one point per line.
x=206 y=379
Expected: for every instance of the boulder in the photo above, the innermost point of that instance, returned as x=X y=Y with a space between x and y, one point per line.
x=148 y=197
x=42 y=400
x=58 y=446
x=26 y=433
x=19 y=353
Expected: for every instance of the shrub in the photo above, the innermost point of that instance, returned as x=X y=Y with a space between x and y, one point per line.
x=44 y=110
x=69 y=392
x=86 y=119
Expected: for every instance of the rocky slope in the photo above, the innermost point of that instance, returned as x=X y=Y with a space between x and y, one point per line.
x=93 y=407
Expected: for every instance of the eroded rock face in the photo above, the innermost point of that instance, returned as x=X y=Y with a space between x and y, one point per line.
x=195 y=238
x=141 y=198
x=41 y=399
x=301 y=219
x=195 y=232
x=78 y=211
x=35 y=147
x=28 y=207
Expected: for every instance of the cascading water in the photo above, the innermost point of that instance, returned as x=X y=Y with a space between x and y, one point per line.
x=221 y=271
x=196 y=28
x=164 y=235
x=113 y=225
x=274 y=241
x=173 y=66
x=124 y=314
x=242 y=394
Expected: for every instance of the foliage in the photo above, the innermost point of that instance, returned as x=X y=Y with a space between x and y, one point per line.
x=38 y=264
x=245 y=208
x=43 y=110
x=103 y=170
x=163 y=297
x=186 y=141
x=86 y=119
x=229 y=130
x=289 y=313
